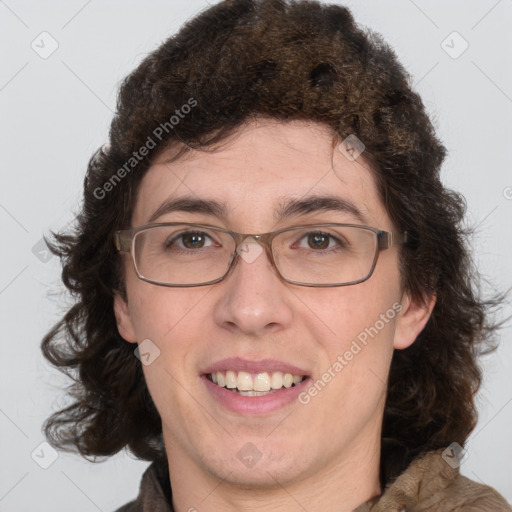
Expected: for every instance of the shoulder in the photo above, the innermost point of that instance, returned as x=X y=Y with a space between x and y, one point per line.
x=473 y=496
x=430 y=484
x=155 y=491
x=439 y=486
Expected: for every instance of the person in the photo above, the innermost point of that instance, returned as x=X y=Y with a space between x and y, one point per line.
x=276 y=305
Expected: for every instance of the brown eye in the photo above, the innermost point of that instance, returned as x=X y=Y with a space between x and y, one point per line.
x=193 y=240
x=318 y=240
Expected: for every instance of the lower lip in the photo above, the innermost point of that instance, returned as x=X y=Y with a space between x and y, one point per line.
x=254 y=404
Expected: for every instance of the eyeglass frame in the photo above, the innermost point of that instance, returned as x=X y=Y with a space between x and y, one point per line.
x=124 y=241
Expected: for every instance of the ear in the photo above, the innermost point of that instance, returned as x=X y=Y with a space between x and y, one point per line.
x=123 y=319
x=412 y=319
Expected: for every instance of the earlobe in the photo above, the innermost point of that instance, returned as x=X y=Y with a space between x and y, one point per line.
x=123 y=319
x=412 y=319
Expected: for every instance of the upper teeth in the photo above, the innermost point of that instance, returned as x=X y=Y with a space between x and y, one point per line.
x=244 y=381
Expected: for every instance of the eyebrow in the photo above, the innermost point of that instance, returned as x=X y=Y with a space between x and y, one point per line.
x=285 y=209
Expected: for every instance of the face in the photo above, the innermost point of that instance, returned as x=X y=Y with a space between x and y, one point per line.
x=337 y=342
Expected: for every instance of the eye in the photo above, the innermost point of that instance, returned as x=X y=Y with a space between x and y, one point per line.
x=320 y=240
x=189 y=240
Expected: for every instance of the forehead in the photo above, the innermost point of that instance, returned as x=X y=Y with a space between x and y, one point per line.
x=258 y=170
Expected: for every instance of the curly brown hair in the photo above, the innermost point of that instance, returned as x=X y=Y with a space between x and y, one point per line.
x=287 y=60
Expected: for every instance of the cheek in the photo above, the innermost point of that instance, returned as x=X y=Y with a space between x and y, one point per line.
x=358 y=353
x=360 y=312
x=169 y=318
x=173 y=320
x=157 y=311
x=358 y=345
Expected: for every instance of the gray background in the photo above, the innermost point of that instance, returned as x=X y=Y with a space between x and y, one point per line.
x=55 y=112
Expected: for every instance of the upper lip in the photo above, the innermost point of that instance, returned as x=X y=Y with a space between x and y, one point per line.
x=253 y=366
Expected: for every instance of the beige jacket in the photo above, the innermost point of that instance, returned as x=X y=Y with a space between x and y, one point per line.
x=429 y=484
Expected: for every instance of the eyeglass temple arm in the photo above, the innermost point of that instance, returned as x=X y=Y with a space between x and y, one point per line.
x=387 y=240
x=123 y=241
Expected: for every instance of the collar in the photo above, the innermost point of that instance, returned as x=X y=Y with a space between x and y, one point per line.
x=428 y=481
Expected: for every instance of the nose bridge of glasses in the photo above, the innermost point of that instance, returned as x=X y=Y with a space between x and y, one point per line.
x=249 y=247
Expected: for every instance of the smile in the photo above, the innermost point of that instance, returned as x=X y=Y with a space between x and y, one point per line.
x=254 y=387
x=260 y=384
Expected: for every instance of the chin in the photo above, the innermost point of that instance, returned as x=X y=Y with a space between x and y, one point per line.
x=249 y=467
x=265 y=477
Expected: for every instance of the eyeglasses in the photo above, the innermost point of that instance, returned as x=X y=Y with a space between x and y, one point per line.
x=187 y=254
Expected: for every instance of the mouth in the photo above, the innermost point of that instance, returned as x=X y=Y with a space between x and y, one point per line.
x=254 y=387
x=251 y=385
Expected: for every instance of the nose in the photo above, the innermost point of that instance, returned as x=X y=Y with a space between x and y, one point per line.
x=254 y=298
